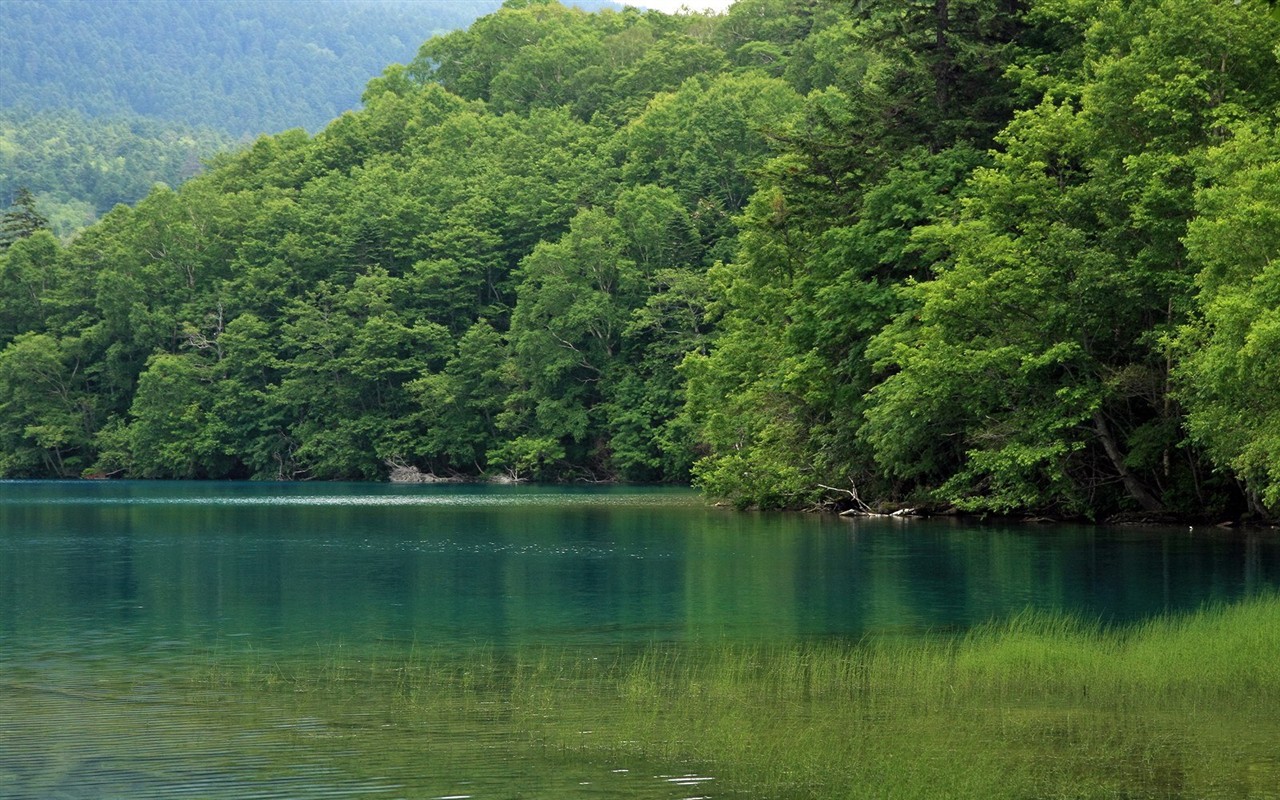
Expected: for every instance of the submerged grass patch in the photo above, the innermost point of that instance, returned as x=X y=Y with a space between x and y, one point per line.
x=1039 y=706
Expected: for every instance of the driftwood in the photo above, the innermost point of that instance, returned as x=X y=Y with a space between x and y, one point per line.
x=861 y=509
x=406 y=473
x=900 y=513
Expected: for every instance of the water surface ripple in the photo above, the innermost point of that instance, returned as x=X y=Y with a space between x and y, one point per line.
x=133 y=615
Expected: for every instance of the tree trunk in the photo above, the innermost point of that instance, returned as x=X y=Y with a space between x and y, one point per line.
x=1135 y=487
x=943 y=65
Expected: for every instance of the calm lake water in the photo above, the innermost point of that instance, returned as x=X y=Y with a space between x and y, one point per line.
x=122 y=605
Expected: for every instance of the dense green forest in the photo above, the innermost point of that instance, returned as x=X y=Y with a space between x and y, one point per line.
x=989 y=254
x=80 y=167
x=101 y=101
x=239 y=66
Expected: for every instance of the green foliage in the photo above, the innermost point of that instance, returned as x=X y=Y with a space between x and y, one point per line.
x=705 y=141
x=1229 y=374
x=433 y=281
x=544 y=55
x=80 y=167
x=826 y=239
x=100 y=103
x=27 y=271
x=573 y=301
x=21 y=220
x=236 y=66
x=460 y=406
x=47 y=411
x=170 y=432
x=1039 y=344
x=998 y=339
x=347 y=357
x=1007 y=258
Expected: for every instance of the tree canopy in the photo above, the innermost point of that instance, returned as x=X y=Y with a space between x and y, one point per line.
x=238 y=66
x=1003 y=256
x=101 y=101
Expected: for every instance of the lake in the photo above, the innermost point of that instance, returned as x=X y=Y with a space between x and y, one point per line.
x=184 y=639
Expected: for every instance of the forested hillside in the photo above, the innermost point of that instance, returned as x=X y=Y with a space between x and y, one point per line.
x=1003 y=256
x=238 y=66
x=99 y=101
x=79 y=167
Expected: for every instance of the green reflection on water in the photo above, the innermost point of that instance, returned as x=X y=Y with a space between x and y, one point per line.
x=1041 y=706
x=222 y=638
x=293 y=565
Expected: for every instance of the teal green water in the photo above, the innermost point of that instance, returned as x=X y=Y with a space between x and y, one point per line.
x=112 y=593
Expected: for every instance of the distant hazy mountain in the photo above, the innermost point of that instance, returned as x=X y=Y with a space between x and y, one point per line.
x=102 y=99
x=240 y=66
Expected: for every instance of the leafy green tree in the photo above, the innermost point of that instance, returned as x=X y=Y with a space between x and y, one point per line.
x=28 y=273
x=80 y=167
x=347 y=355
x=658 y=228
x=551 y=72
x=650 y=435
x=460 y=406
x=663 y=66
x=574 y=300
x=735 y=398
x=1040 y=343
x=793 y=409
x=704 y=141
x=1229 y=372
x=248 y=418
x=763 y=33
x=467 y=62
x=47 y=408
x=882 y=145
x=170 y=435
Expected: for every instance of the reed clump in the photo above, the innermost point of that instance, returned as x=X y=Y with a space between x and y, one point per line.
x=1037 y=706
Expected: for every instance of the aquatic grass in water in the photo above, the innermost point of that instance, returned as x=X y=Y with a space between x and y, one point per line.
x=214 y=648
x=1037 y=706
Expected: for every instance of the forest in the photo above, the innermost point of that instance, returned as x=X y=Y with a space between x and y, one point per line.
x=995 y=256
x=79 y=167
x=237 y=66
x=101 y=101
